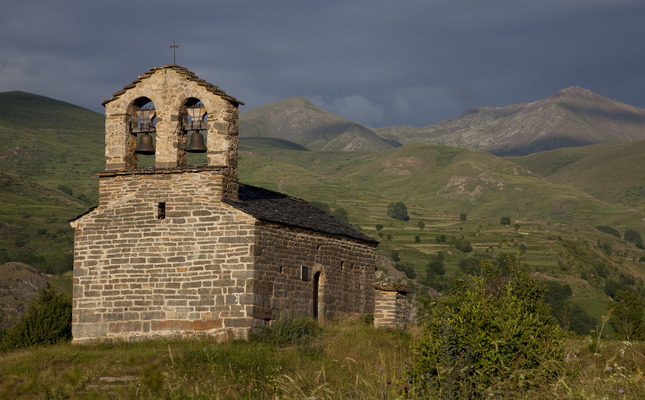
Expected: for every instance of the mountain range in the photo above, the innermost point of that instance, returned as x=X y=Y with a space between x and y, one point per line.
x=571 y=117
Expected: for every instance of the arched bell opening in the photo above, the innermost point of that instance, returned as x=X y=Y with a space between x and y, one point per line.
x=141 y=141
x=192 y=146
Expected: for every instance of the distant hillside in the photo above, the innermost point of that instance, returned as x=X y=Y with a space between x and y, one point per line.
x=49 y=153
x=571 y=117
x=610 y=172
x=298 y=120
x=429 y=176
x=39 y=112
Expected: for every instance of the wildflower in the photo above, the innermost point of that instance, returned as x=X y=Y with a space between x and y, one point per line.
x=621 y=391
x=389 y=383
x=608 y=369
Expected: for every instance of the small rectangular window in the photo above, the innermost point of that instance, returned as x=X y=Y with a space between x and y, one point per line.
x=161 y=210
x=304 y=273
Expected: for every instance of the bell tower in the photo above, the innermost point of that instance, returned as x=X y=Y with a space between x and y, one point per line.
x=152 y=123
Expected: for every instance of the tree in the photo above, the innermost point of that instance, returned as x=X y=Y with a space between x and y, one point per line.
x=421 y=225
x=505 y=221
x=435 y=267
x=494 y=335
x=48 y=320
x=378 y=227
x=340 y=214
x=628 y=315
x=417 y=239
x=398 y=211
x=395 y=256
x=634 y=236
x=462 y=216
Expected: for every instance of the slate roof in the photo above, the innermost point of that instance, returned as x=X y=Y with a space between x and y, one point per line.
x=183 y=71
x=269 y=206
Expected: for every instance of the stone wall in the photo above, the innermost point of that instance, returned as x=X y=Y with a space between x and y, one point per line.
x=391 y=305
x=287 y=261
x=138 y=273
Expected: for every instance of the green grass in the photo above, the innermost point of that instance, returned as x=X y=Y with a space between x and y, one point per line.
x=345 y=360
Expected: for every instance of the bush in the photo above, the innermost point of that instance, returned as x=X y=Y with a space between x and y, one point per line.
x=407 y=269
x=462 y=244
x=492 y=337
x=398 y=211
x=417 y=239
x=609 y=230
x=321 y=206
x=47 y=321
x=628 y=315
x=340 y=214
x=421 y=225
x=435 y=267
x=395 y=256
x=378 y=227
x=462 y=216
x=634 y=237
x=288 y=332
x=505 y=221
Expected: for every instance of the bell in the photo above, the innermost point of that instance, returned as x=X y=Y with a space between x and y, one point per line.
x=196 y=144
x=145 y=145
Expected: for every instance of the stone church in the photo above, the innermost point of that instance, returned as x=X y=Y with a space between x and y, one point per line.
x=180 y=249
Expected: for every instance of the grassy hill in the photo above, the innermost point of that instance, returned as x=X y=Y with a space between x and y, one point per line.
x=610 y=172
x=300 y=121
x=49 y=153
x=570 y=117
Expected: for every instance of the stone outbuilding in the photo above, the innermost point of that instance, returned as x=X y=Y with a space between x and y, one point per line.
x=180 y=249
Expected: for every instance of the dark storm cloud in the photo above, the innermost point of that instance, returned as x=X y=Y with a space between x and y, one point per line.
x=378 y=62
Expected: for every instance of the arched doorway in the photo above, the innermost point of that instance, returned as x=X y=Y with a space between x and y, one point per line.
x=316 y=288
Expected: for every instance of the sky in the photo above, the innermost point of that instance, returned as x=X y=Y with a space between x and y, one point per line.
x=378 y=62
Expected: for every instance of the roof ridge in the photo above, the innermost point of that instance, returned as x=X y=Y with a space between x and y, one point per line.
x=182 y=71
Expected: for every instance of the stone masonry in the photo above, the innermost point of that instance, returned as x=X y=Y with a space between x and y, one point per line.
x=183 y=249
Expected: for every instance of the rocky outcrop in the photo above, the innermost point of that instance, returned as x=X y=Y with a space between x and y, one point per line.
x=19 y=286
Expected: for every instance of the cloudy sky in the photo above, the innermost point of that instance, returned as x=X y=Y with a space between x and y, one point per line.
x=374 y=61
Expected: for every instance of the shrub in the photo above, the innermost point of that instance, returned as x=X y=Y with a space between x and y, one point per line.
x=395 y=256
x=407 y=269
x=609 y=230
x=321 y=206
x=421 y=225
x=505 y=221
x=398 y=211
x=490 y=338
x=378 y=227
x=462 y=244
x=435 y=267
x=462 y=216
x=288 y=332
x=417 y=239
x=634 y=237
x=340 y=214
x=65 y=189
x=628 y=315
x=48 y=320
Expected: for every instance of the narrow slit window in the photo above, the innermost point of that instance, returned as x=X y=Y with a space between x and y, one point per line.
x=161 y=210
x=304 y=273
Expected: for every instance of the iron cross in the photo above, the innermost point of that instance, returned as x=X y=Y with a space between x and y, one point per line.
x=173 y=46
